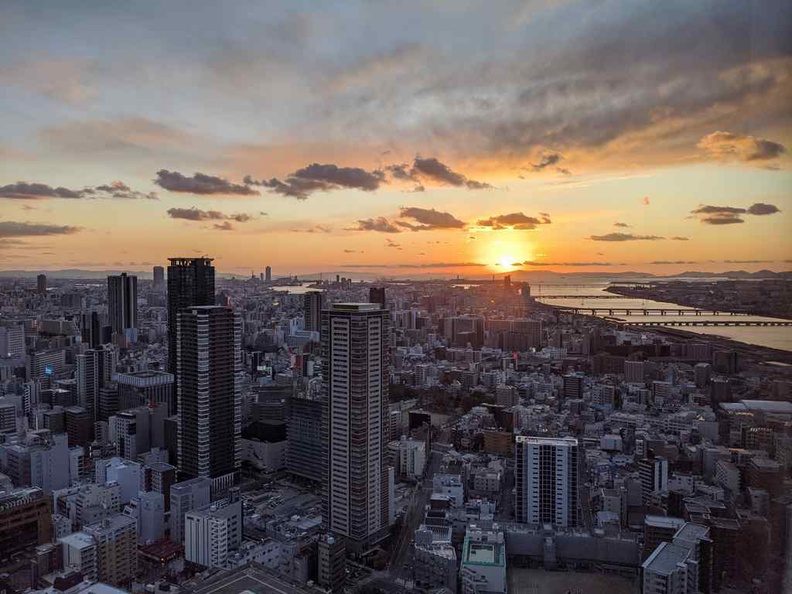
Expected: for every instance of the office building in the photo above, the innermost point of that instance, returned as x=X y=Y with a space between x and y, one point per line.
x=191 y=281
x=546 y=480
x=94 y=370
x=122 y=302
x=268 y=274
x=356 y=488
x=313 y=302
x=80 y=554
x=125 y=473
x=185 y=497
x=148 y=509
x=573 y=386
x=41 y=284
x=12 y=341
x=654 y=476
x=159 y=277
x=79 y=425
x=332 y=563
x=25 y=520
x=377 y=295
x=634 y=372
x=304 y=437
x=209 y=400
x=145 y=388
x=41 y=461
x=116 y=548
x=213 y=533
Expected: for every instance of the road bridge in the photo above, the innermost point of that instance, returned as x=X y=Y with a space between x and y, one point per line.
x=644 y=311
x=714 y=323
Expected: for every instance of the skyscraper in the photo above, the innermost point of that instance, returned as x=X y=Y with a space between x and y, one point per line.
x=356 y=485
x=313 y=302
x=191 y=281
x=377 y=295
x=122 y=302
x=94 y=371
x=268 y=273
x=209 y=400
x=41 y=284
x=546 y=480
x=159 y=277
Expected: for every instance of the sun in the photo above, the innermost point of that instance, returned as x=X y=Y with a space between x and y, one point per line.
x=507 y=254
x=506 y=263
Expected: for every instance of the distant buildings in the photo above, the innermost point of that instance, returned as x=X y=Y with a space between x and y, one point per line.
x=159 y=277
x=313 y=303
x=546 y=480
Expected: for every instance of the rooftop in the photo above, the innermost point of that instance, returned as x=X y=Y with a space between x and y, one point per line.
x=250 y=578
x=356 y=307
x=664 y=522
x=554 y=441
x=665 y=558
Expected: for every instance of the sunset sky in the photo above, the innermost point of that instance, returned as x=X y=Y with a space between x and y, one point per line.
x=390 y=137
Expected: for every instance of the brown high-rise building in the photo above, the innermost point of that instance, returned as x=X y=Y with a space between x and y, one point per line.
x=25 y=521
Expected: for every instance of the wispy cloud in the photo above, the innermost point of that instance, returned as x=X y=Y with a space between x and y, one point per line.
x=26 y=229
x=625 y=237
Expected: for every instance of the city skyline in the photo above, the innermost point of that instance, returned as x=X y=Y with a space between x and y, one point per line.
x=549 y=136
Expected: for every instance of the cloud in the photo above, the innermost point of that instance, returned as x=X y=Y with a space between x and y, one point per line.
x=38 y=191
x=679 y=238
x=26 y=229
x=196 y=214
x=428 y=219
x=201 y=184
x=322 y=178
x=431 y=169
x=423 y=265
x=726 y=146
x=224 y=226
x=380 y=224
x=353 y=251
x=315 y=229
x=661 y=262
x=761 y=208
x=575 y=264
x=392 y=244
x=549 y=160
x=625 y=237
x=514 y=220
x=620 y=225
x=58 y=80
x=730 y=215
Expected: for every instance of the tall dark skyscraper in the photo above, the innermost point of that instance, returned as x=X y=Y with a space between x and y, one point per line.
x=268 y=273
x=209 y=401
x=94 y=372
x=356 y=482
x=191 y=281
x=41 y=284
x=159 y=277
x=122 y=302
x=313 y=302
x=377 y=295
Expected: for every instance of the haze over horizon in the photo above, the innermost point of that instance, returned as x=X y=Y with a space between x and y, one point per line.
x=549 y=135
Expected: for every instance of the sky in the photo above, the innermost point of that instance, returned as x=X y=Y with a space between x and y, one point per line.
x=410 y=137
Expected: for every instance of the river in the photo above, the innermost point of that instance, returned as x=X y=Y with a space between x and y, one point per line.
x=776 y=337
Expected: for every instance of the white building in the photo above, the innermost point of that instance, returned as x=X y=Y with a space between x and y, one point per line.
x=185 y=497
x=450 y=485
x=483 y=567
x=148 y=509
x=412 y=457
x=546 y=480
x=213 y=533
x=355 y=339
x=124 y=472
x=79 y=552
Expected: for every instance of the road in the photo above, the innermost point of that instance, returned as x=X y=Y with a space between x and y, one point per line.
x=401 y=561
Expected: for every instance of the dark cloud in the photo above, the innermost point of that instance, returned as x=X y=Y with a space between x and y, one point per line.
x=625 y=237
x=748 y=261
x=674 y=262
x=196 y=214
x=392 y=244
x=39 y=191
x=721 y=219
x=224 y=226
x=25 y=229
x=433 y=170
x=679 y=238
x=428 y=219
x=201 y=183
x=425 y=265
x=534 y=263
x=514 y=220
x=727 y=146
x=315 y=229
x=620 y=225
x=549 y=161
x=761 y=208
x=380 y=224
x=727 y=210
x=322 y=178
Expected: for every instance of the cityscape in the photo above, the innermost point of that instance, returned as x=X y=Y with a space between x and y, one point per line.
x=395 y=298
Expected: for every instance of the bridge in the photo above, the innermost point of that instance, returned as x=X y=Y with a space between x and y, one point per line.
x=714 y=323
x=645 y=311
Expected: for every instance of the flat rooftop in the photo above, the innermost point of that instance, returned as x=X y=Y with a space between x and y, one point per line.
x=665 y=558
x=249 y=578
x=554 y=441
x=356 y=307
